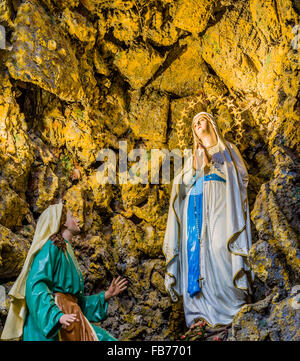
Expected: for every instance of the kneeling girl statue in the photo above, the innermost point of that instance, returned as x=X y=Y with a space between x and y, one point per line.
x=208 y=234
x=48 y=301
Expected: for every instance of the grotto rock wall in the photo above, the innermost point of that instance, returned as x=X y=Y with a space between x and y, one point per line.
x=77 y=76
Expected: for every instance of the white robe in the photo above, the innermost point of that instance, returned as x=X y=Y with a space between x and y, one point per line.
x=224 y=247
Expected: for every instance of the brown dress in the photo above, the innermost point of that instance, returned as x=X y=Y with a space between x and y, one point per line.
x=80 y=330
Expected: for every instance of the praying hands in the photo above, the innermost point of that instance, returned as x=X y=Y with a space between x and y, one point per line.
x=207 y=157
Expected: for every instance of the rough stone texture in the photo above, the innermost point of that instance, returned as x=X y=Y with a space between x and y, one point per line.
x=13 y=249
x=77 y=76
x=16 y=155
x=138 y=64
x=6 y=12
x=268 y=320
x=42 y=55
x=150 y=105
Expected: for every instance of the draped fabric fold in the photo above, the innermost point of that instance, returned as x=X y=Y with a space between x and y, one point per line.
x=193 y=240
x=47 y=225
x=194 y=231
x=80 y=330
x=55 y=285
x=49 y=285
x=237 y=232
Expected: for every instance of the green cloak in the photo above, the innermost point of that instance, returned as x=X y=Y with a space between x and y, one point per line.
x=55 y=271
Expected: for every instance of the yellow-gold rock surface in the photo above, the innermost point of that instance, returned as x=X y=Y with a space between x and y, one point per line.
x=78 y=76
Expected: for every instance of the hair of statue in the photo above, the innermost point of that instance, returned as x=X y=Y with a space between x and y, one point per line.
x=57 y=238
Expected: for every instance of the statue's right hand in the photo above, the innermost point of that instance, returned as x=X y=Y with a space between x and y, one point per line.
x=67 y=319
x=199 y=145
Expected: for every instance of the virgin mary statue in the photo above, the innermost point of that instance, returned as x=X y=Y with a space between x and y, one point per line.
x=208 y=236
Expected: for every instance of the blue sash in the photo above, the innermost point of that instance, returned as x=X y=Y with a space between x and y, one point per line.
x=194 y=233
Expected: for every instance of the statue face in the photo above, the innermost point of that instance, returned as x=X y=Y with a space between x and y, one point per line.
x=72 y=224
x=201 y=125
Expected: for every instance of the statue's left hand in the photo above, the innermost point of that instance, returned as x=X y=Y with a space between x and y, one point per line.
x=117 y=286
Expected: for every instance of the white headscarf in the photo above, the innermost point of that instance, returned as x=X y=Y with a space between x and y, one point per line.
x=47 y=225
x=238 y=232
x=221 y=142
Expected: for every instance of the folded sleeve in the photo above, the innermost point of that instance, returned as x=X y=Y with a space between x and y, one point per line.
x=243 y=175
x=242 y=169
x=39 y=295
x=94 y=307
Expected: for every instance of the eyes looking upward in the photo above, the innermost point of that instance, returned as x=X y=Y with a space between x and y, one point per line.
x=200 y=123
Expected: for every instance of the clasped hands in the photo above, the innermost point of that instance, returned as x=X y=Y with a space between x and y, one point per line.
x=207 y=157
x=117 y=286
